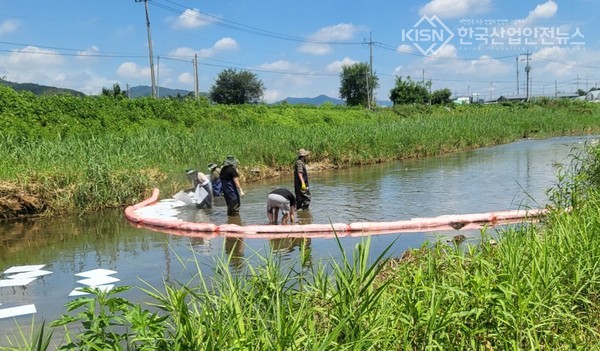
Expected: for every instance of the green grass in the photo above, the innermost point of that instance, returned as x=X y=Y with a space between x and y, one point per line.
x=85 y=154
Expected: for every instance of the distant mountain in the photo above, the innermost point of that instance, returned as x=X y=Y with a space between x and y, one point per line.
x=40 y=89
x=317 y=101
x=144 y=90
x=321 y=99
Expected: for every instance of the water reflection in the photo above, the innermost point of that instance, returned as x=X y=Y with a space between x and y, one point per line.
x=498 y=178
x=234 y=248
x=304 y=217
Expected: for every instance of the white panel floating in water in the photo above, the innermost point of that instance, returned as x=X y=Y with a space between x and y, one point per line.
x=30 y=274
x=100 y=280
x=17 y=311
x=15 y=282
x=20 y=269
x=104 y=288
x=100 y=272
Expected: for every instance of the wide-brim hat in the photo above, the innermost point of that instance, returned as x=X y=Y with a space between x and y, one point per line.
x=212 y=166
x=303 y=152
x=230 y=161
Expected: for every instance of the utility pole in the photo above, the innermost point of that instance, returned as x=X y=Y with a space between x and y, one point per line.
x=370 y=74
x=196 y=75
x=527 y=70
x=154 y=94
x=517 y=74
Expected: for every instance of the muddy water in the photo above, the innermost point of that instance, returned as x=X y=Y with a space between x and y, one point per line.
x=497 y=178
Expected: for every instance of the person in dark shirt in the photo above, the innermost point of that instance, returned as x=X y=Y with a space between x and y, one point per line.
x=284 y=200
x=301 y=181
x=232 y=190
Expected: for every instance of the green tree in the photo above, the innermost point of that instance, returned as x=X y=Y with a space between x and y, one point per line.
x=115 y=92
x=357 y=83
x=409 y=92
x=441 y=97
x=234 y=87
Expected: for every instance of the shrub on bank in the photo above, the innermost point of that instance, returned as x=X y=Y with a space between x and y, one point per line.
x=64 y=139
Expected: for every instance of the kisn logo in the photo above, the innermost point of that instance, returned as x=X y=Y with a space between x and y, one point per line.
x=428 y=35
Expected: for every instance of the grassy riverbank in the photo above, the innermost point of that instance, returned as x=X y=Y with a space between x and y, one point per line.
x=62 y=153
x=537 y=288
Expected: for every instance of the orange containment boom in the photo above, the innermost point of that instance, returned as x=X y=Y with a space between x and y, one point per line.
x=445 y=222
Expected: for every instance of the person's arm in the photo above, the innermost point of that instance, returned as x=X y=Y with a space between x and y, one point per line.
x=236 y=180
x=300 y=176
x=292 y=217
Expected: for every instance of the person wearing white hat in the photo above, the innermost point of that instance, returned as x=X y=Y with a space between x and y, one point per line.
x=301 y=181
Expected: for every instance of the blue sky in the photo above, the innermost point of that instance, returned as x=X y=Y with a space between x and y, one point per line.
x=298 y=48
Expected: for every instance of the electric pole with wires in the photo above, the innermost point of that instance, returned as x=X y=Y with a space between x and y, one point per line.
x=154 y=93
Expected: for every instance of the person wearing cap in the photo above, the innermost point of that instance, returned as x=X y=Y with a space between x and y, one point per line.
x=281 y=199
x=301 y=181
x=200 y=181
x=215 y=171
x=232 y=190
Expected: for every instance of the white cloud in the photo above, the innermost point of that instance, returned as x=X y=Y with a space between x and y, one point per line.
x=183 y=52
x=543 y=11
x=222 y=45
x=405 y=48
x=318 y=41
x=272 y=95
x=455 y=8
x=189 y=19
x=34 y=57
x=8 y=26
x=131 y=70
x=338 y=32
x=315 y=49
x=280 y=66
x=186 y=78
x=226 y=44
x=336 y=66
x=447 y=51
x=88 y=53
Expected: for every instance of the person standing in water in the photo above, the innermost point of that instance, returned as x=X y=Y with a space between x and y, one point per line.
x=232 y=190
x=215 y=180
x=201 y=187
x=301 y=181
x=281 y=199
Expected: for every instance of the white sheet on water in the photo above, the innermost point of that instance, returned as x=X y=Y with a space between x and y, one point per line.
x=184 y=197
x=78 y=292
x=101 y=280
x=15 y=282
x=99 y=272
x=166 y=209
x=20 y=269
x=17 y=311
x=200 y=194
x=30 y=274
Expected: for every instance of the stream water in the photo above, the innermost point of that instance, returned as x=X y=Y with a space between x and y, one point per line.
x=504 y=177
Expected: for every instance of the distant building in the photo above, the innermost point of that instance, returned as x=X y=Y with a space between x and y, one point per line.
x=593 y=96
x=461 y=100
x=533 y=97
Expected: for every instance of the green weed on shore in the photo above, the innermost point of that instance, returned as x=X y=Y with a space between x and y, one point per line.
x=65 y=154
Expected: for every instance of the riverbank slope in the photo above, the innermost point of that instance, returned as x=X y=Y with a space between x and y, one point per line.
x=64 y=154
